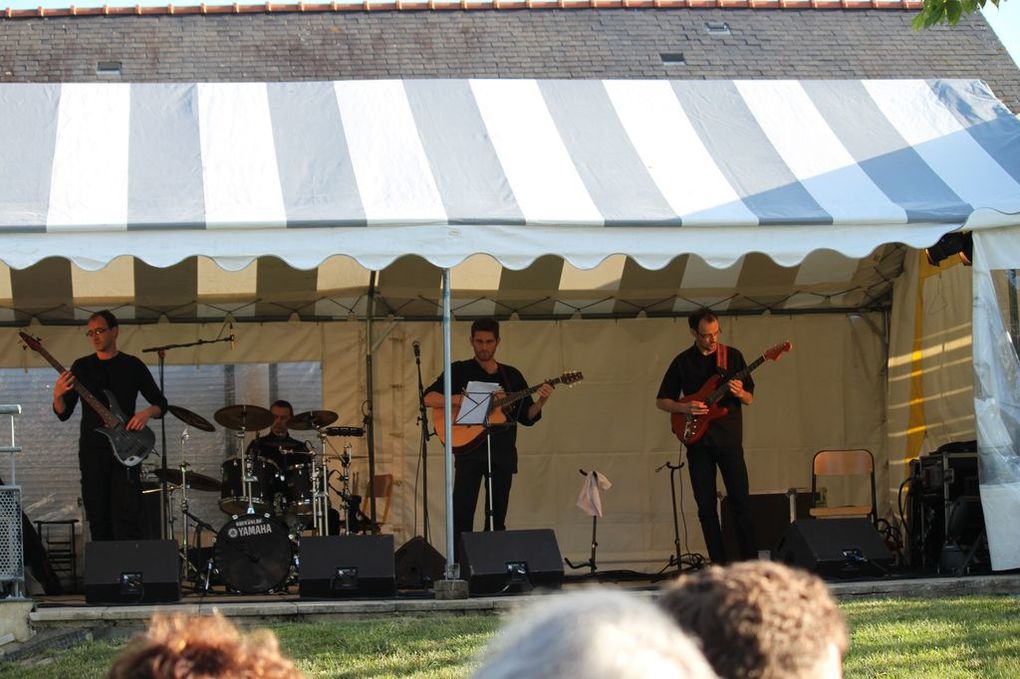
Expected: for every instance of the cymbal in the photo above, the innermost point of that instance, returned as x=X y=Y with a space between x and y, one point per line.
x=191 y=419
x=196 y=481
x=312 y=419
x=247 y=417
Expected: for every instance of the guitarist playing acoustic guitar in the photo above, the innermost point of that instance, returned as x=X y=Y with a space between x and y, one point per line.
x=470 y=466
x=721 y=446
x=111 y=492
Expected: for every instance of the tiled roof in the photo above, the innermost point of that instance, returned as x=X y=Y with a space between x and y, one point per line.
x=553 y=43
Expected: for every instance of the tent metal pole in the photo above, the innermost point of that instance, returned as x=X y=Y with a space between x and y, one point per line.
x=452 y=568
x=369 y=415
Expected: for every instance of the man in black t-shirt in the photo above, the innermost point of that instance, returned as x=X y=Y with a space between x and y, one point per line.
x=111 y=492
x=722 y=445
x=470 y=466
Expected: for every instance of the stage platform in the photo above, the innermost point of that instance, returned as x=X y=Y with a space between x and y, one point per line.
x=72 y=611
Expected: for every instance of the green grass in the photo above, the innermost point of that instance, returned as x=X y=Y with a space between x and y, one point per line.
x=910 y=638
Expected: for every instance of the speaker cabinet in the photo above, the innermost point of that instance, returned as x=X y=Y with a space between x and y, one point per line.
x=340 y=566
x=132 y=572
x=418 y=564
x=506 y=560
x=770 y=512
x=835 y=548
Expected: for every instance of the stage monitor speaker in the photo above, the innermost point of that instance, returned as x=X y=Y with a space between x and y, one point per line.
x=510 y=560
x=132 y=572
x=770 y=512
x=835 y=548
x=341 y=566
x=418 y=564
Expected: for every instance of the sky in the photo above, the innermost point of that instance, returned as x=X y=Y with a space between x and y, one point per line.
x=1005 y=20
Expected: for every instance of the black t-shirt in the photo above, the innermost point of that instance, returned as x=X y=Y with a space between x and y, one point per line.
x=269 y=446
x=504 y=437
x=688 y=373
x=125 y=376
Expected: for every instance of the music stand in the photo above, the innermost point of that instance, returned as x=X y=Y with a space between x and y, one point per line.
x=474 y=410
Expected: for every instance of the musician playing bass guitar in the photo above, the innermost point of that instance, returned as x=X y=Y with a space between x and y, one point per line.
x=470 y=465
x=722 y=444
x=111 y=492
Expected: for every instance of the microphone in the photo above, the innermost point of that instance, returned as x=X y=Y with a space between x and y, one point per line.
x=416 y=345
x=231 y=336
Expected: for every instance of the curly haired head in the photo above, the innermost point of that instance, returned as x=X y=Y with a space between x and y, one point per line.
x=760 y=619
x=191 y=646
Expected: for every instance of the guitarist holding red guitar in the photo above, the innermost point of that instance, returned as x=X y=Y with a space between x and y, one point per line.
x=114 y=438
x=470 y=463
x=687 y=392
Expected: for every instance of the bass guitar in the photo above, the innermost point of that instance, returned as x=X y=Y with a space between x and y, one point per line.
x=466 y=436
x=690 y=428
x=129 y=447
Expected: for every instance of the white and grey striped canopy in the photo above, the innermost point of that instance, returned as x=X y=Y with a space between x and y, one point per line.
x=676 y=190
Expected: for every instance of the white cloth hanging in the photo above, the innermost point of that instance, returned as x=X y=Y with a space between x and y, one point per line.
x=589 y=499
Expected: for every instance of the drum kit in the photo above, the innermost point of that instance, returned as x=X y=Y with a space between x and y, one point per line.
x=271 y=503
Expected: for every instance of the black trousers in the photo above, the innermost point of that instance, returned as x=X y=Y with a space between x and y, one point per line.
x=112 y=495
x=702 y=462
x=469 y=474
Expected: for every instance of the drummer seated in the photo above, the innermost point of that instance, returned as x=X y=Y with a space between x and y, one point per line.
x=278 y=445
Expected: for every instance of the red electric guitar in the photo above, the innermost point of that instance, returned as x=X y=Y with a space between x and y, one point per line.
x=690 y=428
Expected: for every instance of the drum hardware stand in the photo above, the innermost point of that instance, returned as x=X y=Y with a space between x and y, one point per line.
x=320 y=487
x=200 y=524
x=345 y=487
x=166 y=525
x=590 y=563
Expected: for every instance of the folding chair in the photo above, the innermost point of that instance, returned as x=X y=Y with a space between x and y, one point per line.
x=843 y=463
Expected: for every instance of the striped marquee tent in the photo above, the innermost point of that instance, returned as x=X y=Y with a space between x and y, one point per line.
x=546 y=198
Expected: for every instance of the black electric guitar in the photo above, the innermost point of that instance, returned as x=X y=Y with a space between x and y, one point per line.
x=129 y=447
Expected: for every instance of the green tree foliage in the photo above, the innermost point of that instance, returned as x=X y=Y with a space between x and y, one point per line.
x=947 y=11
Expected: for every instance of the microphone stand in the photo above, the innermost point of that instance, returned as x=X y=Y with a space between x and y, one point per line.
x=165 y=530
x=423 y=419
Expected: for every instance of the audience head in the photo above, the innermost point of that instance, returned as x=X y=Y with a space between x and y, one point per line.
x=595 y=634
x=761 y=619
x=178 y=646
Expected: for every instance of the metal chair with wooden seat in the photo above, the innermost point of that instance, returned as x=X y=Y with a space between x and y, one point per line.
x=855 y=462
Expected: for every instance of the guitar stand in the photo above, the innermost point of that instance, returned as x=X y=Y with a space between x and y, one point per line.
x=590 y=563
x=676 y=559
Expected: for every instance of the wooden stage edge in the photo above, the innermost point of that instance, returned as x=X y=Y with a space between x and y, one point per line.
x=72 y=611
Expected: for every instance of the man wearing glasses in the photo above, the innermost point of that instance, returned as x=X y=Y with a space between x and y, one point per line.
x=111 y=492
x=722 y=445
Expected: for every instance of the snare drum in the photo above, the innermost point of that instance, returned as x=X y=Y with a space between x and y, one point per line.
x=233 y=499
x=298 y=488
x=253 y=554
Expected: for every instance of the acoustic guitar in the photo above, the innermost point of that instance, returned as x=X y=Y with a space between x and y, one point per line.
x=691 y=428
x=129 y=447
x=466 y=436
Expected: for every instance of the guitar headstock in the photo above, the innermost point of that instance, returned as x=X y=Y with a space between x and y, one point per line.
x=775 y=352
x=32 y=343
x=571 y=377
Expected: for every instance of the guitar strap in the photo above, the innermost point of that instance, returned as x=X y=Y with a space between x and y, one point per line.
x=720 y=358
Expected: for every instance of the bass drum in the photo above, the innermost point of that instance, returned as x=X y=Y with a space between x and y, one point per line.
x=253 y=554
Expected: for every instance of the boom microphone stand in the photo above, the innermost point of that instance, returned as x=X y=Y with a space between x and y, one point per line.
x=423 y=420
x=165 y=529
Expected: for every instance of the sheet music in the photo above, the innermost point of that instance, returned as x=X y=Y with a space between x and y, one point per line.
x=475 y=404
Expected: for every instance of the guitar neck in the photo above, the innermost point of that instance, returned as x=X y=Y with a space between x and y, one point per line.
x=515 y=396
x=86 y=395
x=722 y=389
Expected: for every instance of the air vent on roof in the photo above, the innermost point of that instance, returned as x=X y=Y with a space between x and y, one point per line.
x=109 y=68
x=673 y=58
x=717 y=28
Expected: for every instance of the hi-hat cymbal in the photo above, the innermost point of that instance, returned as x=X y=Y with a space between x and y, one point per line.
x=312 y=419
x=249 y=418
x=195 y=480
x=191 y=419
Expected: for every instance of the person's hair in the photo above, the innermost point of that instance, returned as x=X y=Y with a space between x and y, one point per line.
x=759 y=619
x=486 y=325
x=280 y=403
x=595 y=634
x=106 y=315
x=179 y=646
x=702 y=314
